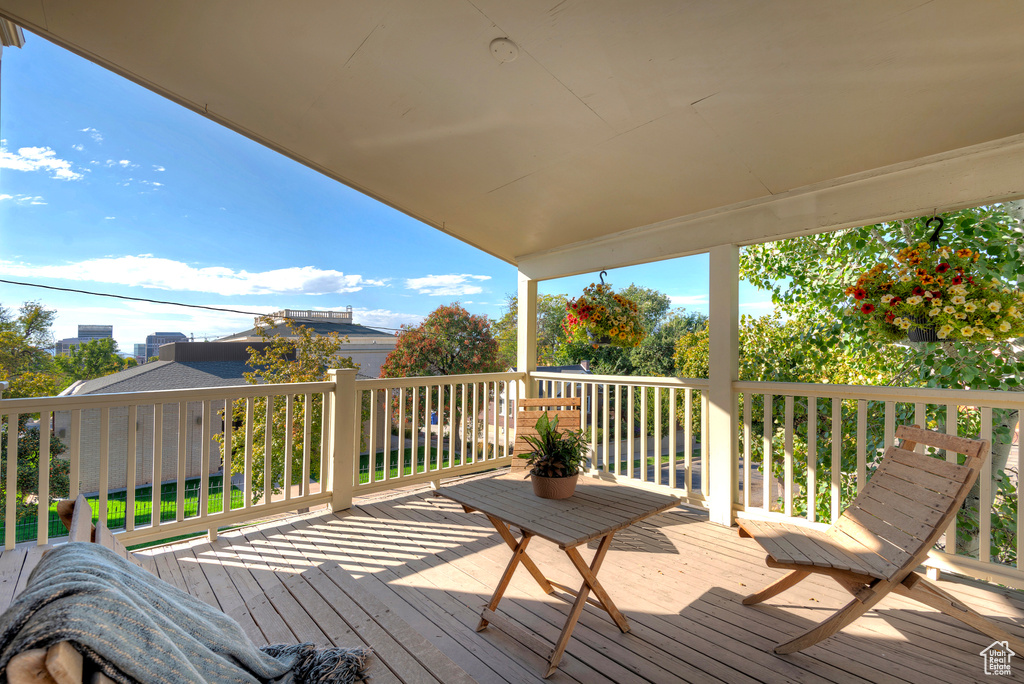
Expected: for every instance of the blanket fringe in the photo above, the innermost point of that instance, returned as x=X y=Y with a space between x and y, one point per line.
x=314 y=665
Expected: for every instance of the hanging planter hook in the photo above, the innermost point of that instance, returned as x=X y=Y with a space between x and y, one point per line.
x=938 y=228
x=604 y=273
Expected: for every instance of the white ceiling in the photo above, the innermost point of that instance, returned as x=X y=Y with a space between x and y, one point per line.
x=614 y=117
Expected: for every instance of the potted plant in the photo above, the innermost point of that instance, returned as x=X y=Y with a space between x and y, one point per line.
x=934 y=293
x=556 y=460
x=608 y=318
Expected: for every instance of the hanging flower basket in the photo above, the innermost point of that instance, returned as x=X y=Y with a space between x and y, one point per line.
x=935 y=293
x=607 y=317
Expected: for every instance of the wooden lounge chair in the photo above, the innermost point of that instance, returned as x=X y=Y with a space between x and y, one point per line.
x=879 y=541
x=530 y=410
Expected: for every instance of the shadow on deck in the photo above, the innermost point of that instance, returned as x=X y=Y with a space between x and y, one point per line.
x=677 y=578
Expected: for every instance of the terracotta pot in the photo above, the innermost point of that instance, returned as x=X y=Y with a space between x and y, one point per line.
x=554 y=487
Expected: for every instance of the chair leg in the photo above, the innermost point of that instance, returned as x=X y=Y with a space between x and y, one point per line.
x=853 y=610
x=923 y=591
x=777 y=587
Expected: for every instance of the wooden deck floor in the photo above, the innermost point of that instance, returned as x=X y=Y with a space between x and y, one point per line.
x=677 y=578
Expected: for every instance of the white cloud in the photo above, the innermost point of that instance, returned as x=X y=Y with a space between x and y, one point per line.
x=446 y=285
x=93 y=133
x=78 y=148
x=38 y=159
x=109 y=218
x=125 y=163
x=23 y=199
x=385 y=318
x=688 y=300
x=167 y=274
x=157 y=167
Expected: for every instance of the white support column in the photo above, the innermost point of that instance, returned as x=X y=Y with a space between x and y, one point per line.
x=343 y=410
x=723 y=370
x=526 y=341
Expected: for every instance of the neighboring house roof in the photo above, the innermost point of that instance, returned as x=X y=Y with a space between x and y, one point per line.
x=574 y=368
x=169 y=375
x=350 y=330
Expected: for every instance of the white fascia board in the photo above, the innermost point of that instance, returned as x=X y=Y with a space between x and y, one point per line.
x=970 y=177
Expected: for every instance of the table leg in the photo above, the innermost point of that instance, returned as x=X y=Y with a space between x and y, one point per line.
x=527 y=562
x=589 y=574
x=517 y=555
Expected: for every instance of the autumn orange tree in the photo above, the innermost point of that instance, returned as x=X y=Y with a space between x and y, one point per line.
x=451 y=341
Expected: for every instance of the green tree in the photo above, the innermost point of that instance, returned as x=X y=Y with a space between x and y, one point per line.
x=92 y=359
x=26 y=363
x=808 y=278
x=550 y=314
x=26 y=504
x=300 y=356
x=25 y=345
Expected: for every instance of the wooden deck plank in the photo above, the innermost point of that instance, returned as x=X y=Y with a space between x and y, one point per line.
x=676 y=577
x=430 y=614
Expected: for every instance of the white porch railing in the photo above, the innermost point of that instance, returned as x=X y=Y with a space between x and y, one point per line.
x=805 y=450
x=140 y=438
x=801 y=450
x=423 y=429
x=647 y=431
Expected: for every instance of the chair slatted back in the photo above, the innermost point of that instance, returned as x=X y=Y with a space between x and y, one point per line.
x=530 y=410
x=909 y=500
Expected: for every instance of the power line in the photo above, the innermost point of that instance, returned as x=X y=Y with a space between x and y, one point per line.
x=134 y=299
x=151 y=301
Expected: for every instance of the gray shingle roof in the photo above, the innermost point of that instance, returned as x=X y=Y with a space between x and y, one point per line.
x=168 y=375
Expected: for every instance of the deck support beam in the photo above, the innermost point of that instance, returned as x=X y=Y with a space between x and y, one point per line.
x=718 y=448
x=526 y=334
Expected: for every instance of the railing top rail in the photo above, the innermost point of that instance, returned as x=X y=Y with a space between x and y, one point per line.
x=423 y=380
x=638 y=380
x=37 y=404
x=927 y=395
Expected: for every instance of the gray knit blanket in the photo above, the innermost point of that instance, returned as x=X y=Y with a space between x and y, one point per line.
x=135 y=627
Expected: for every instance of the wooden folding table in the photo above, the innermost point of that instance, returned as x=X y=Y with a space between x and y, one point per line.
x=596 y=511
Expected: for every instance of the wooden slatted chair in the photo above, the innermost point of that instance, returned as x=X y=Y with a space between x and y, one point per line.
x=530 y=410
x=879 y=541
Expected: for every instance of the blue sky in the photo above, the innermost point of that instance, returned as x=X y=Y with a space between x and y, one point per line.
x=105 y=186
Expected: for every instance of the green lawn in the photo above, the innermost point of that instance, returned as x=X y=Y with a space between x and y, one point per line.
x=27 y=527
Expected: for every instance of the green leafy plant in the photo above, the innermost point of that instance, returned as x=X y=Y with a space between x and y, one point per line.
x=555 y=454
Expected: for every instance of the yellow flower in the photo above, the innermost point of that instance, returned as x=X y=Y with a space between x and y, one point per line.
x=994 y=306
x=886 y=299
x=961 y=316
x=902 y=322
x=1004 y=326
x=958 y=299
x=613 y=332
x=949 y=309
x=967 y=331
x=944 y=331
x=934 y=312
x=906 y=278
x=970 y=307
x=914 y=301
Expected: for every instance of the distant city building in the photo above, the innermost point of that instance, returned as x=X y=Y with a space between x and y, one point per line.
x=140 y=353
x=87 y=333
x=63 y=347
x=367 y=347
x=154 y=341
